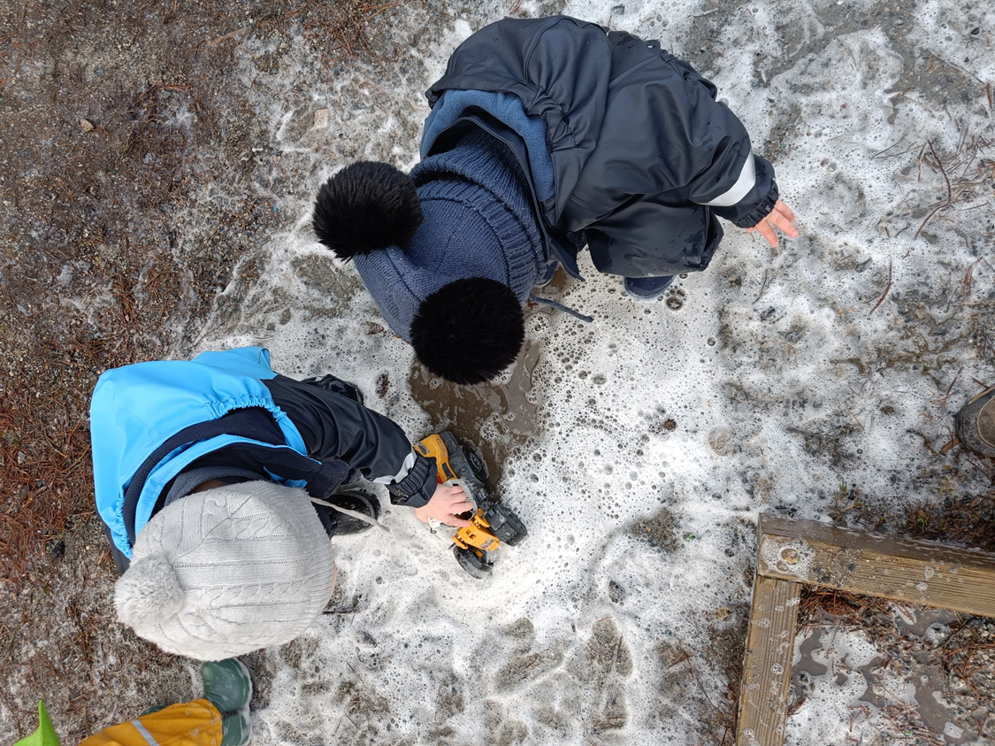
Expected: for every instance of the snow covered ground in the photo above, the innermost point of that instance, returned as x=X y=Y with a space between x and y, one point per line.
x=800 y=380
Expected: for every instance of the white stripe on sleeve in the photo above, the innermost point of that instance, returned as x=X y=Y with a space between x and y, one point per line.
x=144 y=733
x=405 y=468
x=745 y=182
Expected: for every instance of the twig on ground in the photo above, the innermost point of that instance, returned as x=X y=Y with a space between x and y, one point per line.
x=854 y=417
x=894 y=155
x=943 y=399
x=886 y=289
x=695 y=674
x=943 y=171
x=763 y=286
x=969 y=276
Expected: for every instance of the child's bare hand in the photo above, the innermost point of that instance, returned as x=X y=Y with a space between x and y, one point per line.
x=447 y=502
x=781 y=217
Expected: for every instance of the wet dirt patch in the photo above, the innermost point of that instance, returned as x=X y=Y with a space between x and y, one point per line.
x=661 y=531
x=494 y=418
x=914 y=671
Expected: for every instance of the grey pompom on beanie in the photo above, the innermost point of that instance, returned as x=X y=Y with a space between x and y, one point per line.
x=227 y=571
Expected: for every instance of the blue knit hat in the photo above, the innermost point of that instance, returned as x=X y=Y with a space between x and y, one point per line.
x=477 y=223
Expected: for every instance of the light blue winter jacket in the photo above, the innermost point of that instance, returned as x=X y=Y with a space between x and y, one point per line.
x=137 y=408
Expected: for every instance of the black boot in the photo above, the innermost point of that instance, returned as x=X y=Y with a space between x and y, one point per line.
x=337 y=386
x=337 y=523
x=975 y=424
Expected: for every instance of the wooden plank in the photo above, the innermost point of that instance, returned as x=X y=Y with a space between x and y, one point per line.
x=917 y=572
x=770 y=648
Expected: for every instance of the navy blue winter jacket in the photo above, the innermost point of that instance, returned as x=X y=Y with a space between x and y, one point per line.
x=642 y=157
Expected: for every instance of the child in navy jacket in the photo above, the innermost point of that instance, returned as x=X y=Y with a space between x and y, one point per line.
x=545 y=135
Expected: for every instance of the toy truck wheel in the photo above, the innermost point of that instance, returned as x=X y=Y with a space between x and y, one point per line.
x=507 y=526
x=476 y=464
x=473 y=562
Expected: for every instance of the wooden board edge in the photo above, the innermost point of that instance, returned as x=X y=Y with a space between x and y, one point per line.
x=856 y=561
x=891 y=546
x=770 y=647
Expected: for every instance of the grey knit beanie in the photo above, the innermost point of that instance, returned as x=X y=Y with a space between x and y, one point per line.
x=227 y=571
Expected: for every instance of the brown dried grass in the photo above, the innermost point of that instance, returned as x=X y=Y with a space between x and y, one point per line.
x=967 y=520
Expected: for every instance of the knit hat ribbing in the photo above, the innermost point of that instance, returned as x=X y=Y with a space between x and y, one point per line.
x=227 y=571
x=478 y=222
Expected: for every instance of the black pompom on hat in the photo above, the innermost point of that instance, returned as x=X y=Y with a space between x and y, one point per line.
x=366 y=207
x=469 y=331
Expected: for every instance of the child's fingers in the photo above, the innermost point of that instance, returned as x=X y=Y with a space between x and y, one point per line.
x=782 y=208
x=453 y=513
x=765 y=229
x=781 y=217
x=782 y=222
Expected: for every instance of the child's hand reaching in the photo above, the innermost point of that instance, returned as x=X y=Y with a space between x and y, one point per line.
x=447 y=502
x=780 y=217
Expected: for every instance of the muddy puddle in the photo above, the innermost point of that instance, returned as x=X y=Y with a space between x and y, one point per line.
x=901 y=676
x=494 y=418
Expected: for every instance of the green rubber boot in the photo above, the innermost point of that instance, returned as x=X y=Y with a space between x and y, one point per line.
x=237 y=729
x=228 y=687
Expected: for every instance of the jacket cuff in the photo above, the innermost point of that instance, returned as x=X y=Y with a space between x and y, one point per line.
x=416 y=489
x=761 y=210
